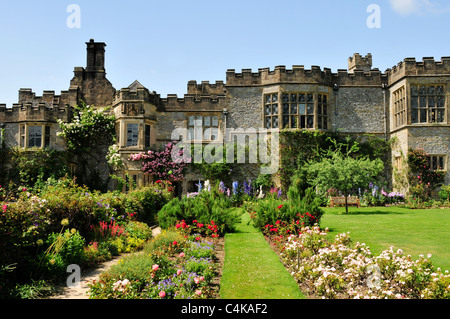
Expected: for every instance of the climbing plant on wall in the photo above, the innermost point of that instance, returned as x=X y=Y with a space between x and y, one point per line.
x=422 y=179
x=299 y=147
x=88 y=136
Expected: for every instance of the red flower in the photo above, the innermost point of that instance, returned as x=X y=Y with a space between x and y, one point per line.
x=175 y=243
x=279 y=207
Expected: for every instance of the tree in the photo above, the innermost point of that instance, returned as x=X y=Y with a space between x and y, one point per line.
x=340 y=170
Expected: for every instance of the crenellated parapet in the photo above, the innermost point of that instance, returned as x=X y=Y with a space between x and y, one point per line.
x=136 y=101
x=357 y=78
x=206 y=88
x=193 y=103
x=139 y=94
x=427 y=67
x=32 y=112
x=300 y=75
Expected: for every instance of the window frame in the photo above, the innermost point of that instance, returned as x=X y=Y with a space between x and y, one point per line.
x=34 y=141
x=399 y=100
x=127 y=139
x=147 y=136
x=297 y=110
x=203 y=127
x=41 y=141
x=438 y=158
x=274 y=117
x=427 y=105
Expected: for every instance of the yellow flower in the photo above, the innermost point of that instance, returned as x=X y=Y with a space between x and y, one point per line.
x=52 y=261
x=73 y=231
x=65 y=222
x=39 y=242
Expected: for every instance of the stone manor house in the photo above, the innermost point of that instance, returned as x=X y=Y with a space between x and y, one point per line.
x=410 y=101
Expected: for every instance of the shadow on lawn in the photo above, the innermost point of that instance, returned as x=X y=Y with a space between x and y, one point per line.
x=367 y=211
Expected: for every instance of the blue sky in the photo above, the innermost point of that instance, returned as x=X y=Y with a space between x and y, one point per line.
x=164 y=44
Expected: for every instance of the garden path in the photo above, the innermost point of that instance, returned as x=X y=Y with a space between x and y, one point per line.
x=252 y=270
x=81 y=292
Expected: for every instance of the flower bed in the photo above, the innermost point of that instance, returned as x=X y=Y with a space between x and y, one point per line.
x=172 y=266
x=334 y=269
x=41 y=234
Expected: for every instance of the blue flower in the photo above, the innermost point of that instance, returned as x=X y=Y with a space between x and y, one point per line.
x=235 y=187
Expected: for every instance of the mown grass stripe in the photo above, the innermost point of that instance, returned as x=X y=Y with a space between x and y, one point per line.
x=252 y=270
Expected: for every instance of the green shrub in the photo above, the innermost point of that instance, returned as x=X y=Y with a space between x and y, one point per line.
x=296 y=211
x=139 y=230
x=35 y=289
x=205 y=207
x=444 y=193
x=168 y=241
x=63 y=249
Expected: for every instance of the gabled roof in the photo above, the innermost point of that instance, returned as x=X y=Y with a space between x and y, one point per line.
x=136 y=85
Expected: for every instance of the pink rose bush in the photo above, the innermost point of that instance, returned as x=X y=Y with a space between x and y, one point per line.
x=334 y=269
x=167 y=164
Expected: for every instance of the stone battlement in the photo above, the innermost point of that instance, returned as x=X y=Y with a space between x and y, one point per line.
x=34 y=112
x=206 y=88
x=358 y=62
x=193 y=103
x=299 y=75
x=48 y=98
x=140 y=94
x=411 y=67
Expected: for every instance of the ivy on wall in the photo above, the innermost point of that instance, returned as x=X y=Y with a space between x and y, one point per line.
x=88 y=137
x=298 y=147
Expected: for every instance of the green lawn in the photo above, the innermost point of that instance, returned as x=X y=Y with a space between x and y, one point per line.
x=415 y=231
x=252 y=270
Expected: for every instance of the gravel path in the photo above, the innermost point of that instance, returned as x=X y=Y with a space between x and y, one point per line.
x=81 y=292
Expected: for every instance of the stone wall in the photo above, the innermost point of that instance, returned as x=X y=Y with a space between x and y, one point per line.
x=359 y=110
x=245 y=107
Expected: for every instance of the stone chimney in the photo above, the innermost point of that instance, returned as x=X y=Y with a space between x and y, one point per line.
x=90 y=85
x=95 y=57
